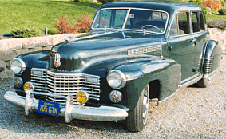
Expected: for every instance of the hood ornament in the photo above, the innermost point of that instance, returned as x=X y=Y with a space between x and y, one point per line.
x=57 y=62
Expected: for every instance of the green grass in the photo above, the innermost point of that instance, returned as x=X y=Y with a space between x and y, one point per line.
x=215 y=15
x=38 y=14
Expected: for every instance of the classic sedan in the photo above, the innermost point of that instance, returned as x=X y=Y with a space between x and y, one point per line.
x=137 y=51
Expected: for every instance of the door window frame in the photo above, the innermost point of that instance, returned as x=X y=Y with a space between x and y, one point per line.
x=175 y=15
x=204 y=23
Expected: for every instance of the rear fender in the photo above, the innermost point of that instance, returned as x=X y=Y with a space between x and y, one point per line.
x=211 y=57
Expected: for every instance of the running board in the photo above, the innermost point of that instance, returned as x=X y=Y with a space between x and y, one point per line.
x=190 y=81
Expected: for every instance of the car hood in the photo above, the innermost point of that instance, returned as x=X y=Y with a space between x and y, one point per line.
x=83 y=52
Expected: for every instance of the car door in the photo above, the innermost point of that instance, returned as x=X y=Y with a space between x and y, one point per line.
x=198 y=36
x=180 y=45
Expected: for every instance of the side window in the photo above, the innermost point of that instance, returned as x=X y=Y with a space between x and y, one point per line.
x=197 y=21
x=183 y=20
x=202 y=21
x=180 y=24
x=159 y=16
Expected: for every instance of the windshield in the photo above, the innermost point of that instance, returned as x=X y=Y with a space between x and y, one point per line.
x=148 y=20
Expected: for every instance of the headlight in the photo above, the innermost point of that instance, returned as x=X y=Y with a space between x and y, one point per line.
x=17 y=65
x=116 y=79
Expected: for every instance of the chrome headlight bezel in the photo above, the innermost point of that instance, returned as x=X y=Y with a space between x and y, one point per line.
x=17 y=66
x=116 y=79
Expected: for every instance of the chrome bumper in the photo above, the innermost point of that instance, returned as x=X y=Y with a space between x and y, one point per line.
x=103 y=113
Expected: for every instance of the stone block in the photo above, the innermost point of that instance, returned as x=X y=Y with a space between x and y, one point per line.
x=50 y=40
x=38 y=42
x=1 y=49
x=37 y=49
x=2 y=66
x=47 y=48
x=22 y=51
x=11 y=43
x=7 y=55
x=6 y=74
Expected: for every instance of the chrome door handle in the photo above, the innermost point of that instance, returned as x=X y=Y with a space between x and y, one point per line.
x=170 y=48
x=192 y=40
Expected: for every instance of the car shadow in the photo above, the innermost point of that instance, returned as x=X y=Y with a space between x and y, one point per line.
x=16 y=121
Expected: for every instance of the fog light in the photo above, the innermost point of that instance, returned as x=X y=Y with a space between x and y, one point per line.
x=82 y=96
x=18 y=82
x=28 y=85
x=115 y=96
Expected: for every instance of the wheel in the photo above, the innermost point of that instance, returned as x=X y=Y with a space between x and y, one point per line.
x=137 y=119
x=203 y=82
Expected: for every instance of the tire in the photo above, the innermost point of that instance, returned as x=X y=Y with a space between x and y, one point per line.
x=137 y=119
x=203 y=82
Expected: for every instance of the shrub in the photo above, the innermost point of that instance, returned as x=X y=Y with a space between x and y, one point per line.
x=222 y=11
x=63 y=26
x=24 y=33
x=52 y=32
x=212 y=4
x=205 y=10
x=106 y=1
x=197 y=2
x=83 y=23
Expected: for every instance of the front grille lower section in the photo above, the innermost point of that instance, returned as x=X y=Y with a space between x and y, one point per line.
x=63 y=84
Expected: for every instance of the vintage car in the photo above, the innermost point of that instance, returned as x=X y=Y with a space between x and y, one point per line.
x=136 y=51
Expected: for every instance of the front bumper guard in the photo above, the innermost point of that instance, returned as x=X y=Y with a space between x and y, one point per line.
x=102 y=113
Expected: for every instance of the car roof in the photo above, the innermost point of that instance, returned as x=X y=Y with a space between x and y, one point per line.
x=169 y=7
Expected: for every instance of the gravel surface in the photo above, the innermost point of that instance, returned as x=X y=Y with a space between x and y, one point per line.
x=191 y=113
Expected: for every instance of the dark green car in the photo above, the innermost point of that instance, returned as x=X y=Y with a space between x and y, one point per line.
x=137 y=51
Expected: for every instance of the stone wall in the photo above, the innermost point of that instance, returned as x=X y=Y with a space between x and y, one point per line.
x=218 y=35
x=10 y=48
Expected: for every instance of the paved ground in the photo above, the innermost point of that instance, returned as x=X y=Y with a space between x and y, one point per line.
x=191 y=113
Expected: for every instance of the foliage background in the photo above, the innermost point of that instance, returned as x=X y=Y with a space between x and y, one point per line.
x=39 y=14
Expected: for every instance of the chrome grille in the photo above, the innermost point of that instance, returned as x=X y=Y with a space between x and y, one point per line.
x=64 y=84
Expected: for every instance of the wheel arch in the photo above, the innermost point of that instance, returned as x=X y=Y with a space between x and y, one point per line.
x=155 y=89
x=162 y=83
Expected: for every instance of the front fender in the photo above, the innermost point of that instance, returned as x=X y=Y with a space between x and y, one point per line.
x=39 y=59
x=141 y=73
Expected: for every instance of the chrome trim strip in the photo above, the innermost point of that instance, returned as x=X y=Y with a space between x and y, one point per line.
x=190 y=80
x=127 y=16
x=102 y=113
x=181 y=87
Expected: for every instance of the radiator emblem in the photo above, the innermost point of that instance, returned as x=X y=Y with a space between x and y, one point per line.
x=57 y=62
